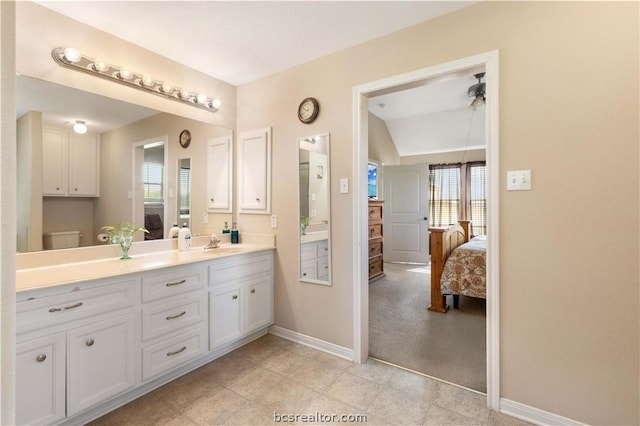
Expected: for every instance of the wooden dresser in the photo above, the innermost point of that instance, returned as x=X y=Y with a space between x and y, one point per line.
x=376 y=264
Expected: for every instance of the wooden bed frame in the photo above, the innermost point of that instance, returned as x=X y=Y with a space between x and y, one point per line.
x=442 y=241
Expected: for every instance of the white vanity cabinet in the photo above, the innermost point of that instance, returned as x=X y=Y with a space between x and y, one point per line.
x=314 y=260
x=40 y=388
x=174 y=318
x=71 y=163
x=254 y=171
x=88 y=347
x=75 y=348
x=100 y=362
x=240 y=297
x=219 y=172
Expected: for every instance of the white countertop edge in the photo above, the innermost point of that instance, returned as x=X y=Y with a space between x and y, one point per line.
x=47 y=276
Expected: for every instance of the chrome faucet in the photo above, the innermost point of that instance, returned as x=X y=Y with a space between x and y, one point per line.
x=213 y=242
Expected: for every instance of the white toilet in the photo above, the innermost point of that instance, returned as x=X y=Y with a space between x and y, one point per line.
x=60 y=240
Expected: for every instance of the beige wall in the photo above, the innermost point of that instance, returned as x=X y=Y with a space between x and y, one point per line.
x=29 y=180
x=113 y=205
x=568 y=111
x=381 y=145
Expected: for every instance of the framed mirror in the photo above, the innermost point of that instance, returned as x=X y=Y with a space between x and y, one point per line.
x=314 y=223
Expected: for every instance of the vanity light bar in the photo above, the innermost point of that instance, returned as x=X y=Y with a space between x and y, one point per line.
x=73 y=59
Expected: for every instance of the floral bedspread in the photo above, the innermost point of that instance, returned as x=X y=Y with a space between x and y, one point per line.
x=464 y=271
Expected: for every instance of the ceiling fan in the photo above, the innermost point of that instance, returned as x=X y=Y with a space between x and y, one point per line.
x=477 y=92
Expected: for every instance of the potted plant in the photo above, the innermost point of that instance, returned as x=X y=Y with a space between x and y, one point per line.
x=122 y=234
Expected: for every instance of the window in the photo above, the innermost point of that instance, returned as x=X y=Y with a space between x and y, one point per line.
x=372 y=180
x=185 y=184
x=152 y=180
x=450 y=200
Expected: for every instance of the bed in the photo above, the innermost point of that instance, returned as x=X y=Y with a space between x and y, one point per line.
x=458 y=265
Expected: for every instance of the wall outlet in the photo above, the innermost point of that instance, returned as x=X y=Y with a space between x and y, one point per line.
x=344 y=185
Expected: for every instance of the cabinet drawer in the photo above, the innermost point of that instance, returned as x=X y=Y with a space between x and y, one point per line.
x=323 y=249
x=308 y=251
x=375 y=212
x=375 y=266
x=167 y=317
x=237 y=267
x=309 y=269
x=171 y=353
x=323 y=268
x=375 y=248
x=53 y=310
x=375 y=231
x=171 y=283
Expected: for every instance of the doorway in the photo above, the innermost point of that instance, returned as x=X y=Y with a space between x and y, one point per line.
x=149 y=187
x=489 y=61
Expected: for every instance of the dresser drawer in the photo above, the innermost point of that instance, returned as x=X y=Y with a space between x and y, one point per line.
x=167 y=317
x=236 y=267
x=48 y=311
x=375 y=212
x=375 y=266
x=375 y=248
x=179 y=280
x=171 y=353
x=375 y=231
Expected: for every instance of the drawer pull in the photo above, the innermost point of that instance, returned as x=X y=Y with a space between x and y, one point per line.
x=176 y=283
x=170 y=317
x=41 y=357
x=184 y=348
x=234 y=297
x=90 y=342
x=253 y=290
x=65 y=308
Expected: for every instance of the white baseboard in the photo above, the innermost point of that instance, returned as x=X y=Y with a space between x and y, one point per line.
x=535 y=415
x=321 y=345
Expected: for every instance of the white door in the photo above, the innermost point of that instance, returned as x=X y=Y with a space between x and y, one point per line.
x=406 y=199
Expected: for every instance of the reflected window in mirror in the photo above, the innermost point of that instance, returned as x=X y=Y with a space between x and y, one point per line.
x=372 y=180
x=184 y=191
x=314 y=209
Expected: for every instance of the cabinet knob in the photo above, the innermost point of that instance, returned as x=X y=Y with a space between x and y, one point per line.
x=304 y=274
x=182 y=349
x=90 y=342
x=41 y=357
x=258 y=199
x=212 y=200
x=176 y=283
x=253 y=290
x=234 y=297
x=57 y=188
x=75 y=189
x=65 y=308
x=170 y=317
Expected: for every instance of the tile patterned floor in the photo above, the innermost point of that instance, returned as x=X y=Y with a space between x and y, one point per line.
x=275 y=376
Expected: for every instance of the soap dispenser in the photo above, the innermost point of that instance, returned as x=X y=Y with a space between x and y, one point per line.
x=226 y=229
x=235 y=235
x=173 y=232
x=184 y=238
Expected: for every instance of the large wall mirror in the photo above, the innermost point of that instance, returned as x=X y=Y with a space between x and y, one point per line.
x=314 y=209
x=167 y=170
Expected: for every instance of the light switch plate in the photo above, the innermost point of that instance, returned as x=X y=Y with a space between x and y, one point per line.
x=274 y=221
x=344 y=185
x=519 y=180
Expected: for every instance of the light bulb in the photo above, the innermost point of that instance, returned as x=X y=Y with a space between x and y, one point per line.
x=72 y=55
x=80 y=128
x=99 y=65
x=216 y=103
x=125 y=74
x=167 y=88
x=201 y=98
x=185 y=94
x=146 y=81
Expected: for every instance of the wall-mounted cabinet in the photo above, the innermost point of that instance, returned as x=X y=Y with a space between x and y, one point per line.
x=70 y=163
x=219 y=174
x=254 y=171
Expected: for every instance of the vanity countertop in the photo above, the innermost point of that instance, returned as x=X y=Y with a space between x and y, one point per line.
x=68 y=273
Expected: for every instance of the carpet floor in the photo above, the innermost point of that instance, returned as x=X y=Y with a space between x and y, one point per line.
x=450 y=346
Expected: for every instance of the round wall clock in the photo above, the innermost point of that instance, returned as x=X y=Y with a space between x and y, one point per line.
x=308 y=110
x=185 y=138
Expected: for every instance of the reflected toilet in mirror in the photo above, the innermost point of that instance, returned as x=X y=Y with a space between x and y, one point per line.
x=314 y=228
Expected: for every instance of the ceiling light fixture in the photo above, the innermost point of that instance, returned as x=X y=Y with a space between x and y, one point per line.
x=79 y=127
x=71 y=58
x=477 y=92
